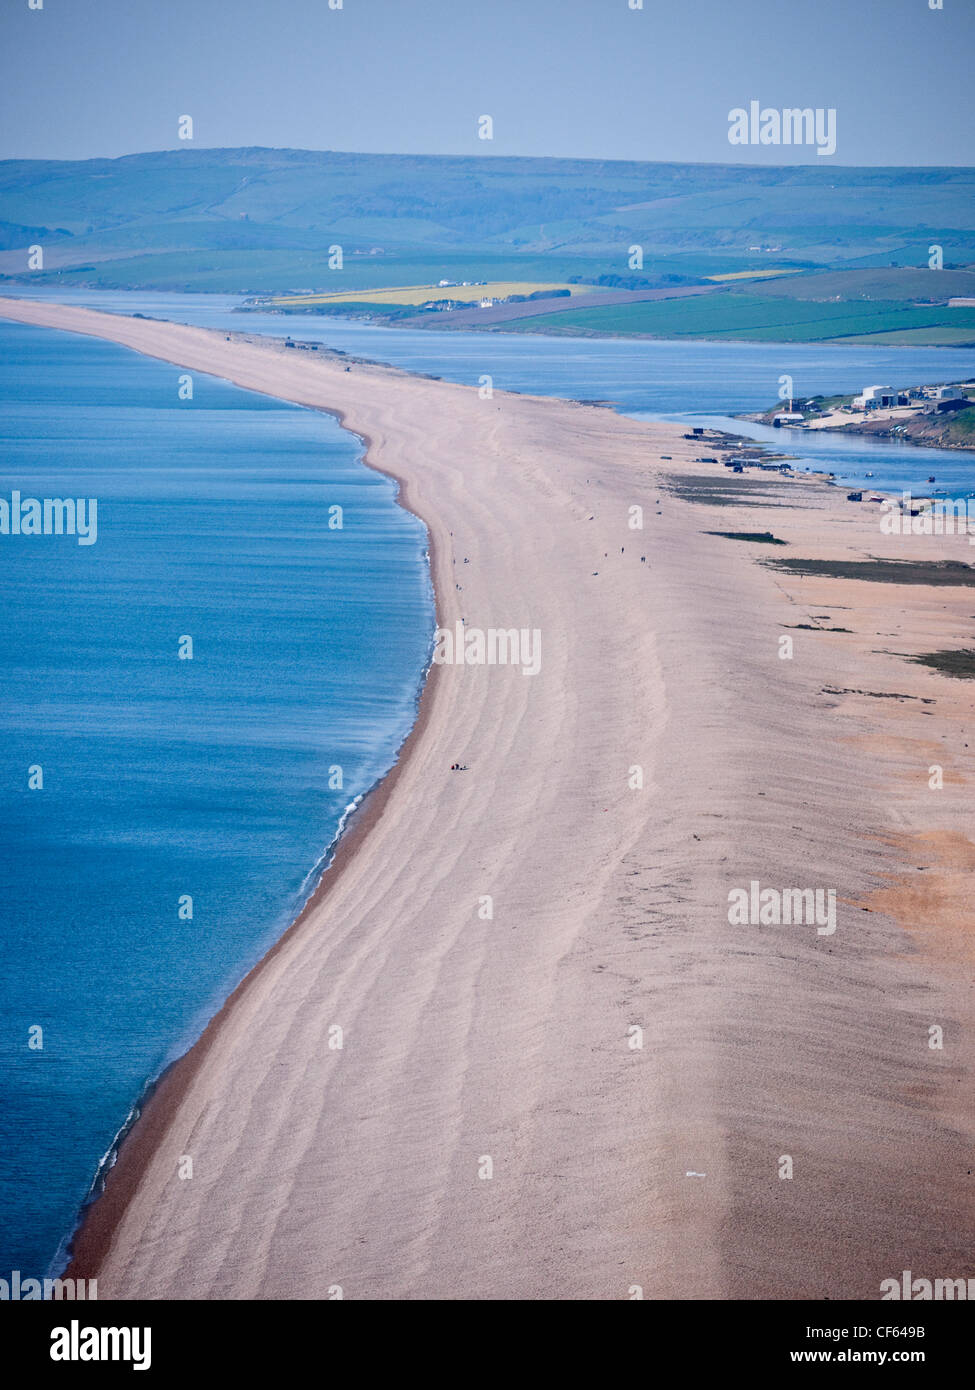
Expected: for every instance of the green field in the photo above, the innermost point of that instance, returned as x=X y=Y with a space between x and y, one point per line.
x=946 y=336
x=338 y=308
x=272 y=272
x=758 y=318
x=890 y=283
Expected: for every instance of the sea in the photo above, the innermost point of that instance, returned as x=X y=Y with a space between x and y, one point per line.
x=193 y=704
x=166 y=807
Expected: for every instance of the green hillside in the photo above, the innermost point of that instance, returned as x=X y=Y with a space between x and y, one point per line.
x=261 y=221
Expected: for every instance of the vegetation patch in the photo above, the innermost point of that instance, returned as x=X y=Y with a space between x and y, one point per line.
x=939 y=572
x=959 y=663
x=722 y=490
x=873 y=694
x=758 y=537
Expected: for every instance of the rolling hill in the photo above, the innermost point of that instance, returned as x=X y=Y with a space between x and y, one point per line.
x=262 y=221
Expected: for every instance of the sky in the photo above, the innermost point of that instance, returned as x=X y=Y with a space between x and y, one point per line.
x=581 y=78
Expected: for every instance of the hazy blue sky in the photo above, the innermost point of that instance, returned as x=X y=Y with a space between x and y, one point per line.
x=589 y=78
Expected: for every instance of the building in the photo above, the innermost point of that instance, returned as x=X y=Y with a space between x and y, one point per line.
x=874 y=397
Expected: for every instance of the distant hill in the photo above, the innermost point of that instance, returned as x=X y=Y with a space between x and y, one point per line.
x=262 y=221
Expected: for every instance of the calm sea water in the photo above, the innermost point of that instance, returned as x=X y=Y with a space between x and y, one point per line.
x=211 y=777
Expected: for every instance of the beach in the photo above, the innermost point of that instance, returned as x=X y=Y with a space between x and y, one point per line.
x=514 y=1048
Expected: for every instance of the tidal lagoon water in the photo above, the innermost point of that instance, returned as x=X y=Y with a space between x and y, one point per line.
x=162 y=818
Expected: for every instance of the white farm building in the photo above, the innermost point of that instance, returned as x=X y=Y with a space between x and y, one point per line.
x=876 y=395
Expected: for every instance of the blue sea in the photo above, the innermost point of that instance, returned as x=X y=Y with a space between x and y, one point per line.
x=214 y=778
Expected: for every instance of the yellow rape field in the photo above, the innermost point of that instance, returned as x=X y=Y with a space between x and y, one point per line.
x=421 y=294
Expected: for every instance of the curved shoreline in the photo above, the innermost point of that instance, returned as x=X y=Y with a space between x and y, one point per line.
x=100 y=1216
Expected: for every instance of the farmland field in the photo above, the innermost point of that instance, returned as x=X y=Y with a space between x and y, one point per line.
x=891 y=283
x=751 y=274
x=421 y=294
x=760 y=318
x=944 y=336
